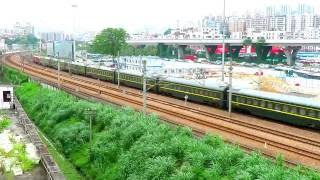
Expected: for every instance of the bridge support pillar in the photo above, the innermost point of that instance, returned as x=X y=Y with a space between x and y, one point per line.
x=181 y=49
x=291 y=54
x=210 y=51
x=162 y=50
x=234 y=51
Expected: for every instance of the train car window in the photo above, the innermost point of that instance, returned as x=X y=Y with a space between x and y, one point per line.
x=249 y=101
x=277 y=107
x=302 y=111
x=192 y=90
x=255 y=102
x=262 y=103
x=206 y=93
x=243 y=100
x=270 y=105
x=237 y=98
x=293 y=109
x=185 y=89
x=286 y=108
x=312 y=113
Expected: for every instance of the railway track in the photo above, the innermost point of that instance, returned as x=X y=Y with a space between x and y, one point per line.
x=298 y=149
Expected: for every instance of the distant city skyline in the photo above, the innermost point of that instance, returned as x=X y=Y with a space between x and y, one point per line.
x=134 y=16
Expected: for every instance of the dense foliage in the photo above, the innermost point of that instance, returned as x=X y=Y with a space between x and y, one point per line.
x=140 y=50
x=12 y=76
x=129 y=145
x=4 y=123
x=27 y=39
x=110 y=41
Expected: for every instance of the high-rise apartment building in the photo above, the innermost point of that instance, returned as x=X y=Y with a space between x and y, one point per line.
x=259 y=23
x=23 y=29
x=271 y=11
x=305 y=9
x=53 y=36
x=237 y=24
x=277 y=23
x=290 y=23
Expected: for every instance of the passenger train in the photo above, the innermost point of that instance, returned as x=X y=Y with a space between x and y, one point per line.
x=287 y=108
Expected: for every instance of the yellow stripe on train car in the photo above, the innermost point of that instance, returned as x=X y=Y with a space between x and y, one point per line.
x=190 y=93
x=165 y=83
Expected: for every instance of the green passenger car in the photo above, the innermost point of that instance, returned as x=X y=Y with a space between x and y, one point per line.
x=287 y=108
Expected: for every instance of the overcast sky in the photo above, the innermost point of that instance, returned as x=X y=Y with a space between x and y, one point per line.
x=133 y=15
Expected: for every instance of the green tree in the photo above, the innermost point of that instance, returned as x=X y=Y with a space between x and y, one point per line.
x=31 y=39
x=110 y=41
x=151 y=50
x=247 y=42
x=168 y=31
x=27 y=39
x=260 y=47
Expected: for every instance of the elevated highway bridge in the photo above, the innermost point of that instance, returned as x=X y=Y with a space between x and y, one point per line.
x=291 y=47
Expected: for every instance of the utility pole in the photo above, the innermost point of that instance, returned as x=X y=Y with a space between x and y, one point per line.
x=144 y=96
x=40 y=45
x=91 y=113
x=118 y=68
x=73 y=58
x=74 y=6
x=230 y=88
x=58 y=71
x=223 y=39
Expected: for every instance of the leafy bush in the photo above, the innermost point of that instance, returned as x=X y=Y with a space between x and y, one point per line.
x=13 y=76
x=4 y=123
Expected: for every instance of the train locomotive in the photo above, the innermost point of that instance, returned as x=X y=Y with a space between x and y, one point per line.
x=286 y=108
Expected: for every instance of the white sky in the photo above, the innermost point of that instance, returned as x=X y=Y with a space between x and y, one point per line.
x=133 y=15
